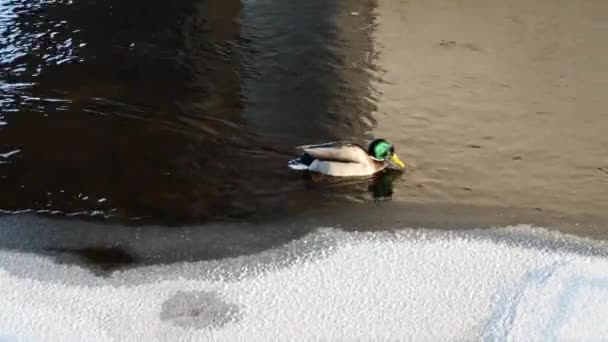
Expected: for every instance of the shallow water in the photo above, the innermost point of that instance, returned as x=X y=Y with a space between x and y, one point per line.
x=188 y=111
x=501 y=104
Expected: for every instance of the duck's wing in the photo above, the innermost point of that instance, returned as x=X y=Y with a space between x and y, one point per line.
x=340 y=169
x=345 y=152
x=327 y=144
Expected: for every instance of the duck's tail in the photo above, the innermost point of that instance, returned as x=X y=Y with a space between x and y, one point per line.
x=302 y=163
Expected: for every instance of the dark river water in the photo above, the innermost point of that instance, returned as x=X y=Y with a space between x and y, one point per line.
x=177 y=112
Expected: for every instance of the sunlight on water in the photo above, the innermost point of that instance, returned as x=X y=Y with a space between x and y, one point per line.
x=28 y=45
x=500 y=103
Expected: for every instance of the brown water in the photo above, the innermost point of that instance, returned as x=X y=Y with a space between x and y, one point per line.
x=188 y=111
x=498 y=103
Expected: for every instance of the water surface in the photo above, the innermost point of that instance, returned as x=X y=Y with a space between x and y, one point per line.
x=498 y=103
x=173 y=113
x=187 y=112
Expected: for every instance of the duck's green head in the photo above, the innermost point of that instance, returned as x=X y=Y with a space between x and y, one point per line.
x=383 y=150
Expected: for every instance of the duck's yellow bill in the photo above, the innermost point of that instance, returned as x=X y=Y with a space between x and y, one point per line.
x=397 y=161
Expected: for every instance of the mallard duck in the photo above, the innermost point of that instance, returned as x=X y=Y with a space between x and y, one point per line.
x=344 y=159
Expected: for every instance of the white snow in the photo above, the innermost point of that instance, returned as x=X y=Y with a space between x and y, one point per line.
x=516 y=283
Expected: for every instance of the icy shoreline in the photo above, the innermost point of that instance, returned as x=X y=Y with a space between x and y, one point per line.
x=515 y=282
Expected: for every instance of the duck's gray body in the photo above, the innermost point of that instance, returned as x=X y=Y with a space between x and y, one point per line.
x=338 y=159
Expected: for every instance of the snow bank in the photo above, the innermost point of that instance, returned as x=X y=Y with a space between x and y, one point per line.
x=515 y=283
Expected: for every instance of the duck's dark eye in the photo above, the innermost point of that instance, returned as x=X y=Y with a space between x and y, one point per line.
x=392 y=150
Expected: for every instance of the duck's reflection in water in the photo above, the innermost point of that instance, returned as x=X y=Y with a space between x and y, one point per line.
x=379 y=185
